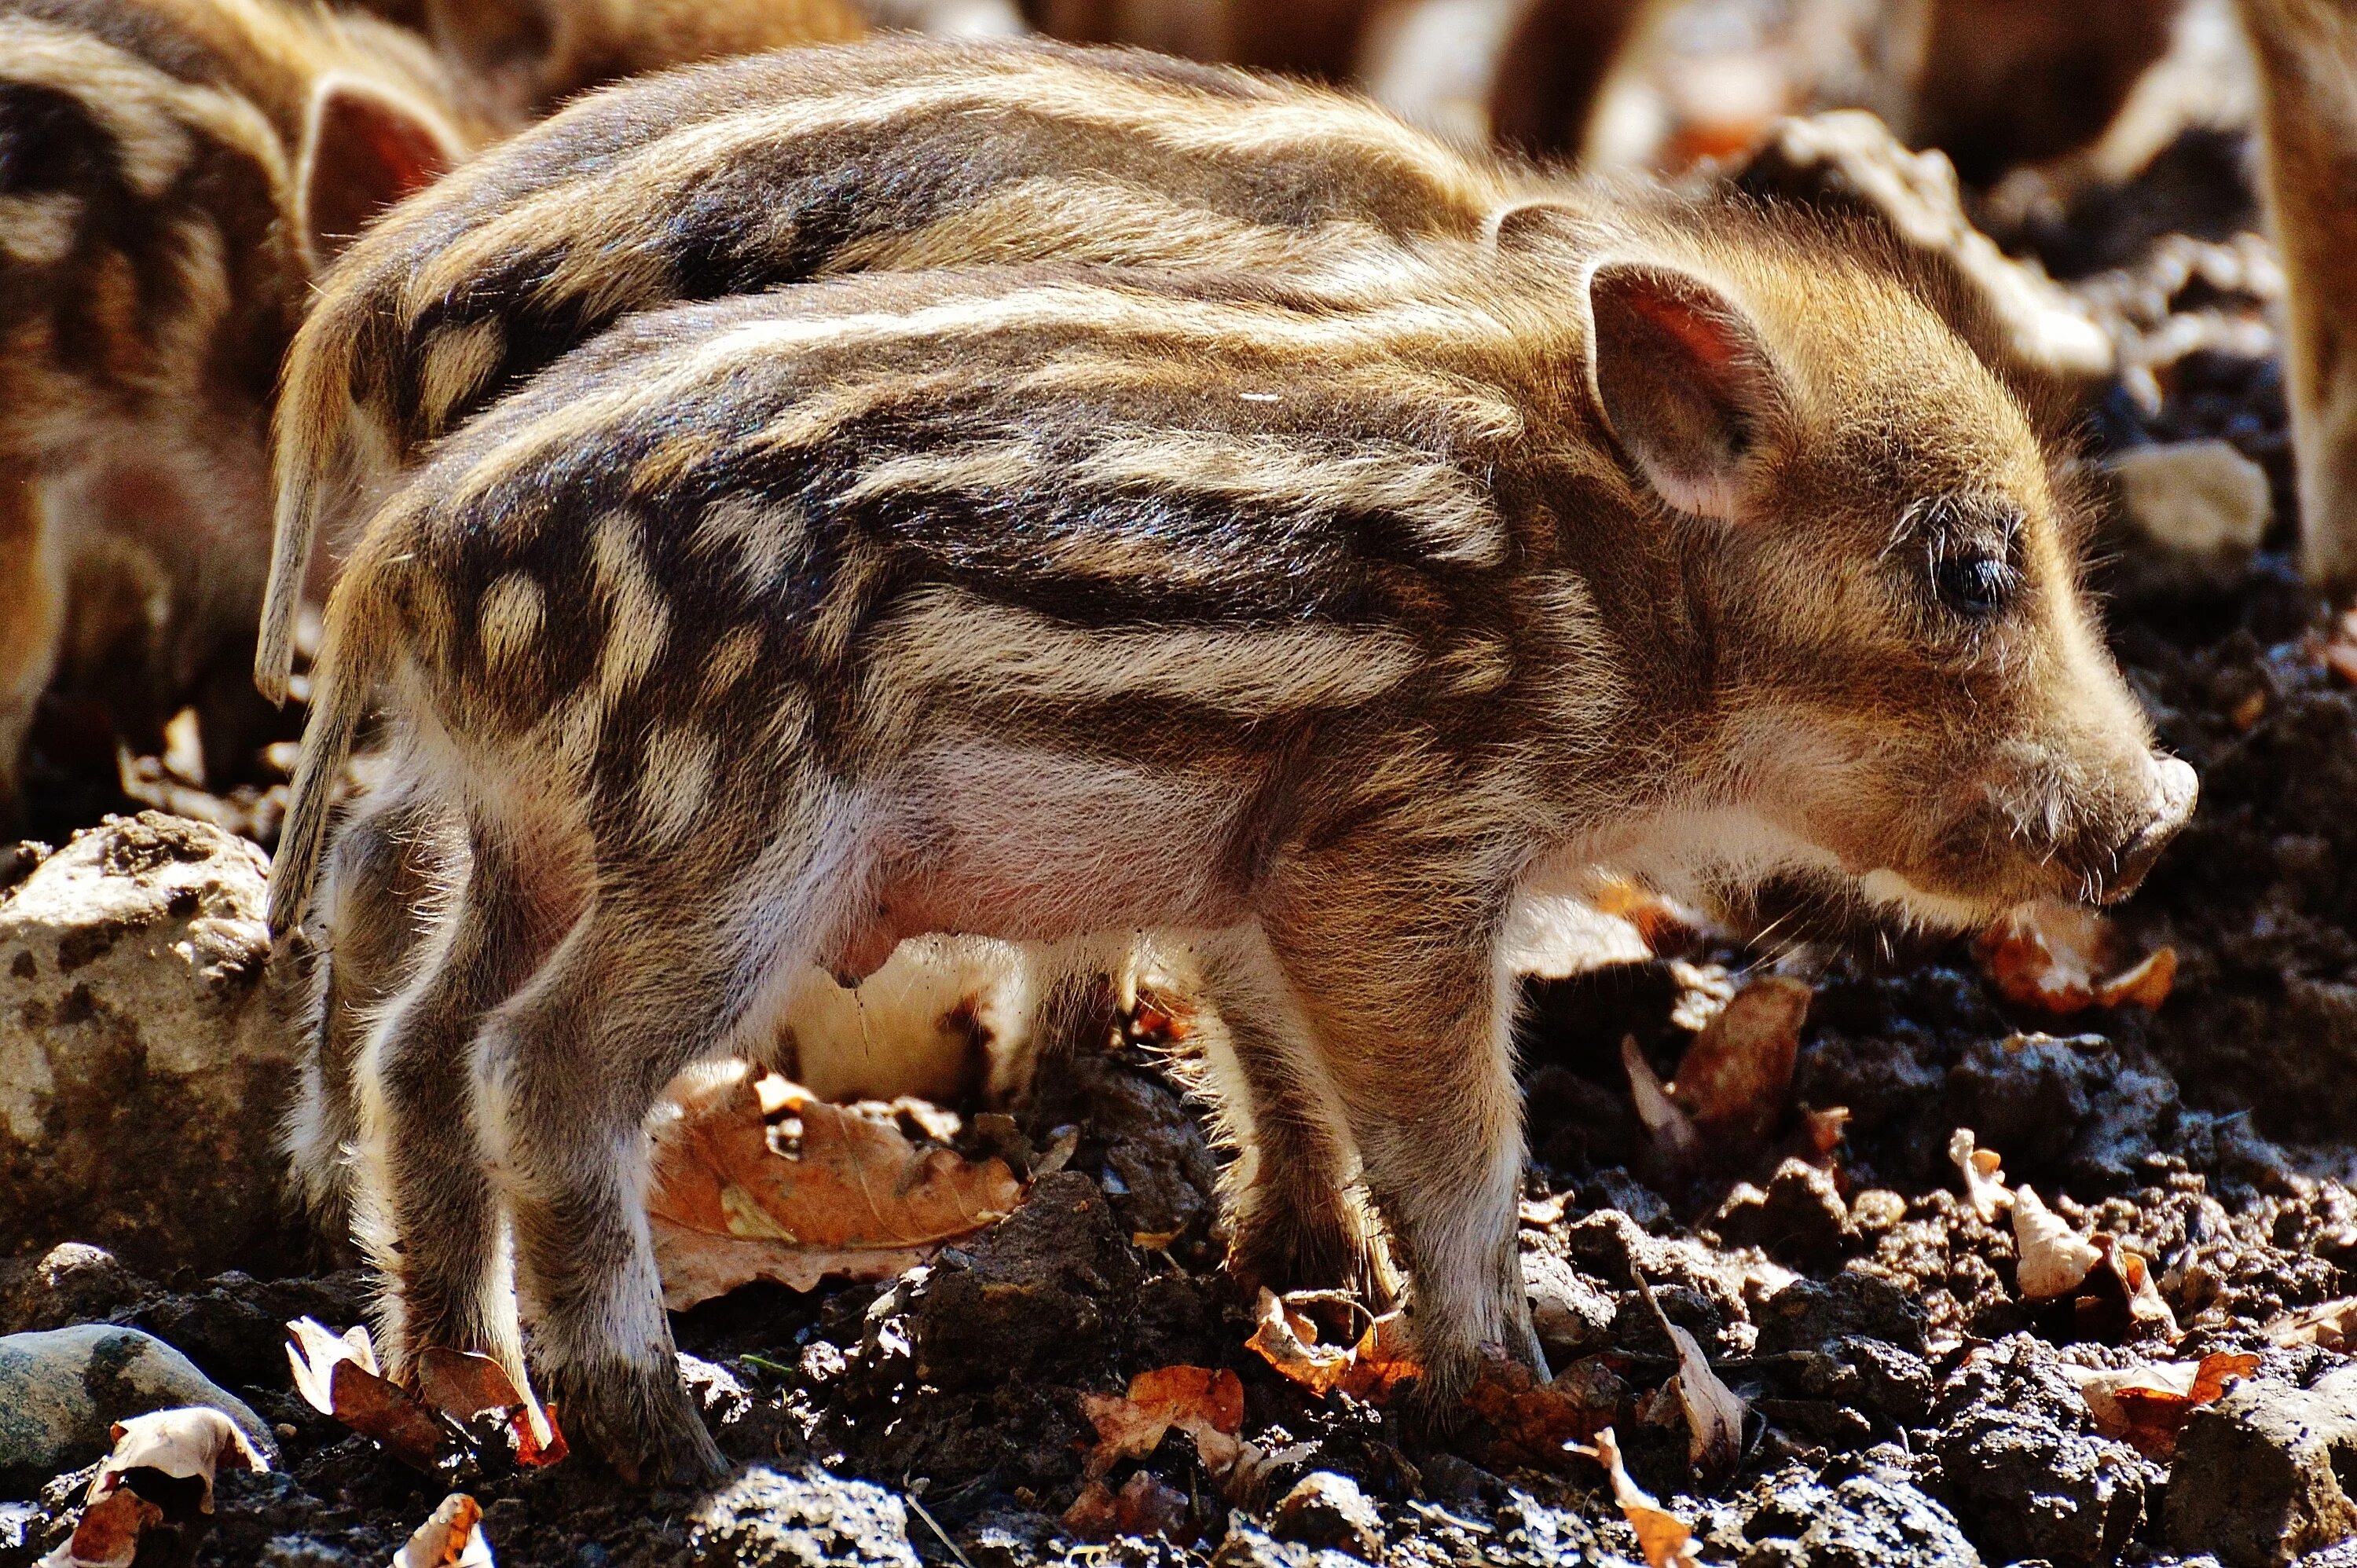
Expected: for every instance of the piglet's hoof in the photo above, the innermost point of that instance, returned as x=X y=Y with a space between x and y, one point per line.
x=639 y=1418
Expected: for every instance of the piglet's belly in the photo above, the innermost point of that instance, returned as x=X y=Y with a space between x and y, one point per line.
x=1053 y=873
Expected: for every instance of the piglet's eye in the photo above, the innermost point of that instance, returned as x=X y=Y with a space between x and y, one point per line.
x=1974 y=583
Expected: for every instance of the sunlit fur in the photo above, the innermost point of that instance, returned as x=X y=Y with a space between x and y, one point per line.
x=2307 y=54
x=153 y=262
x=1324 y=611
x=810 y=163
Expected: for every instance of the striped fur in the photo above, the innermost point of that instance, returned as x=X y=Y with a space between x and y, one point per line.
x=155 y=252
x=1299 y=624
x=777 y=169
x=533 y=55
x=2306 y=55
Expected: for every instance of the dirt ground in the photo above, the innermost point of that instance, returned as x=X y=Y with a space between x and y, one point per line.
x=1908 y=1405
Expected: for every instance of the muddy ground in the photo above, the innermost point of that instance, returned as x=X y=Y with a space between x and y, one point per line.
x=1907 y=1406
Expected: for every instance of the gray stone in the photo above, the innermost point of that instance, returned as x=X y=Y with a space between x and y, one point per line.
x=143 y=1069
x=62 y=1389
x=764 y=1519
x=70 y=1282
x=2257 y=1480
x=1327 y=1509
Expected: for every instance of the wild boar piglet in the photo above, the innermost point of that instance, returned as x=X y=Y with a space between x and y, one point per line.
x=1304 y=619
x=173 y=173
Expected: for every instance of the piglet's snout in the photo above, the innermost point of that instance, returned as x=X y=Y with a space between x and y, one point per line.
x=2168 y=806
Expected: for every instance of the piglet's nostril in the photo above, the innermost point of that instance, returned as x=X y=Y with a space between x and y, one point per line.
x=2175 y=787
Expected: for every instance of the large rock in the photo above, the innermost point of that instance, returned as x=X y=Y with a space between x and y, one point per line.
x=2259 y=1475
x=143 y=1069
x=61 y=1392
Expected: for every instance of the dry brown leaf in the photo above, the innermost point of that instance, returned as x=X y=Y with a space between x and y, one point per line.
x=2061 y=958
x=2128 y=1290
x=1534 y=1420
x=451 y=1538
x=1371 y=1370
x=1662 y=1536
x=2148 y=1406
x=1736 y=1078
x=1144 y=1507
x=462 y=1385
x=1383 y=1359
x=1206 y=1404
x=107 y=1535
x=1984 y=1175
x=1288 y=1342
x=1822 y=1132
x=2055 y=1260
x=1673 y=1131
x=762 y=1181
x=190 y=1444
x=2332 y=1324
x=337 y=1375
x=1713 y=1413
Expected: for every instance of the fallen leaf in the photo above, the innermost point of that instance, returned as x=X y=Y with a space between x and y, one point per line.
x=1288 y=1342
x=758 y=1180
x=1380 y=1359
x=190 y=1444
x=1984 y=1175
x=463 y=1384
x=2122 y=1300
x=1736 y=1078
x=313 y=1351
x=1533 y=1420
x=1662 y=1536
x=2148 y=1406
x=451 y=1538
x=1671 y=1130
x=336 y=1374
x=1384 y=1359
x=1248 y=1481
x=107 y=1535
x=1713 y=1415
x=1822 y=1132
x=1145 y=1507
x=2332 y=1326
x=1206 y=1404
x=2055 y=1260
x=2057 y=956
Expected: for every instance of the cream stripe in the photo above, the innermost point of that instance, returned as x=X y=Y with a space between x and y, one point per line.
x=606 y=266
x=943 y=639
x=148 y=111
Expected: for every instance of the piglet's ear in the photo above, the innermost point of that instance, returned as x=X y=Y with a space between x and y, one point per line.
x=364 y=149
x=1686 y=383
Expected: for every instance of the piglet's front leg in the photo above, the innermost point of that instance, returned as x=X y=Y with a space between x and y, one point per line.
x=1396 y=965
